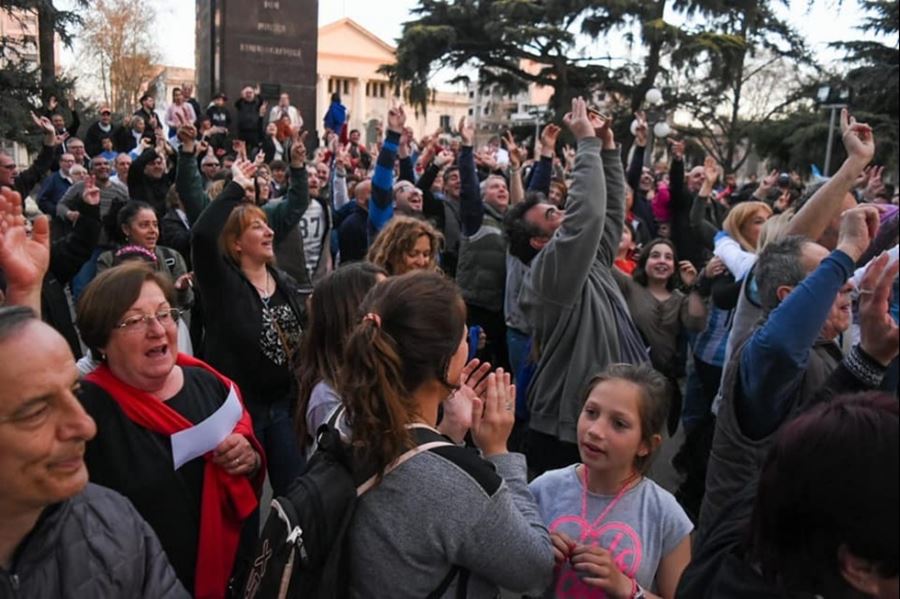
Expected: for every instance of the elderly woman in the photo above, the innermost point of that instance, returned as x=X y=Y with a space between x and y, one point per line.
x=140 y=396
x=253 y=313
x=406 y=244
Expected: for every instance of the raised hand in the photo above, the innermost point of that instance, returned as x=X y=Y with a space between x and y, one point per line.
x=875 y=185
x=46 y=127
x=443 y=158
x=711 y=170
x=240 y=148
x=640 y=129
x=493 y=418
x=858 y=228
x=578 y=122
x=396 y=118
x=298 y=150
x=549 y=136
x=187 y=135
x=467 y=131
x=879 y=335
x=23 y=260
x=242 y=172
x=602 y=123
x=91 y=193
x=677 y=150
x=858 y=139
x=516 y=153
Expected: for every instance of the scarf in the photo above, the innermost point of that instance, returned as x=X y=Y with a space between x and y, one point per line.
x=227 y=500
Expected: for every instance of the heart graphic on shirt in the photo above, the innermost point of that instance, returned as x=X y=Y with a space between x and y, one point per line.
x=616 y=537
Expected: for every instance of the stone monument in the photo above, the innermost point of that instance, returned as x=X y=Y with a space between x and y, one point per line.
x=270 y=43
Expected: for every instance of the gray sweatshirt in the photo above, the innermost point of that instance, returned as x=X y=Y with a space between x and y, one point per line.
x=576 y=312
x=449 y=507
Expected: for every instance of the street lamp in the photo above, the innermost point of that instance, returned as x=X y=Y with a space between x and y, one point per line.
x=836 y=98
x=656 y=121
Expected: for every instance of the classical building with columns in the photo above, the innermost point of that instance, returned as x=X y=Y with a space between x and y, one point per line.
x=348 y=60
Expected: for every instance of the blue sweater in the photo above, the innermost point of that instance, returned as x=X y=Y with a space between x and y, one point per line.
x=53 y=190
x=776 y=355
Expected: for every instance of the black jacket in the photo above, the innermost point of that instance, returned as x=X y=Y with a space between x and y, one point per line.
x=92 y=545
x=27 y=179
x=67 y=256
x=232 y=306
x=94 y=134
x=145 y=189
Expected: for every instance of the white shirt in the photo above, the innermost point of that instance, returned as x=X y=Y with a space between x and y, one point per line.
x=293 y=113
x=312 y=230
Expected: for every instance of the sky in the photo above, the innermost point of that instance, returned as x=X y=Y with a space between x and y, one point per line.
x=821 y=22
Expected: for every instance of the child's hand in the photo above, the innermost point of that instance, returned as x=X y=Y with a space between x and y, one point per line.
x=563 y=546
x=597 y=568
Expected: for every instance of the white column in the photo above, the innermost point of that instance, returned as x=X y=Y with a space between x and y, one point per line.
x=359 y=105
x=322 y=101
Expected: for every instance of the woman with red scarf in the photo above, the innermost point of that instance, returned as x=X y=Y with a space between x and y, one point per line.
x=141 y=395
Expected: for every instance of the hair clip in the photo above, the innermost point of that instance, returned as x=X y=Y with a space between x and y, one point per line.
x=373 y=317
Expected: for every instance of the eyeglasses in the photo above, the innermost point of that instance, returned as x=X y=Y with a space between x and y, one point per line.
x=140 y=323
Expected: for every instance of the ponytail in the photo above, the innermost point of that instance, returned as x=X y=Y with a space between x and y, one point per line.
x=374 y=394
x=413 y=325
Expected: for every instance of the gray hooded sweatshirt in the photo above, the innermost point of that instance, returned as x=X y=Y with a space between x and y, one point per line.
x=576 y=312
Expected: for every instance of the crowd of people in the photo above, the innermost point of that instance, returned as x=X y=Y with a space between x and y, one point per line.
x=553 y=317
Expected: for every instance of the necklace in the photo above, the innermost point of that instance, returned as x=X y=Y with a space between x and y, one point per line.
x=264 y=291
x=612 y=504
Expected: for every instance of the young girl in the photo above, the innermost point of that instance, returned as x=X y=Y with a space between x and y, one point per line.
x=616 y=533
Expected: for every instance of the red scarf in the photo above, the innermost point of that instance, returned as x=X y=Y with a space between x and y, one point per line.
x=227 y=500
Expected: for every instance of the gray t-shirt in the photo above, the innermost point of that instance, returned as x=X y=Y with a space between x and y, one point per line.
x=643 y=527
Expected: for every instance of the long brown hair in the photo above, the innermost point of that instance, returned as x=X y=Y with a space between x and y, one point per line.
x=410 y=329
x=333 y=314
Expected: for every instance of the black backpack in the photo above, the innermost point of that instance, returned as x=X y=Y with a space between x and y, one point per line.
x=301 y=553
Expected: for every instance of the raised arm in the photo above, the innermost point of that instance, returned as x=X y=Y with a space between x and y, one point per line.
x=559 y=271
x=702 y=229
x=471 y=208
x=817 y=213
x=777 y=354
x=636 y=166
x=209 y=265
x=676 y=176
x=615 y=191
x=67 y=255
x=543 y=168
x=516 y=157
x=381 y=208
x=27 y=179
x=188 y=182
x=284 y=216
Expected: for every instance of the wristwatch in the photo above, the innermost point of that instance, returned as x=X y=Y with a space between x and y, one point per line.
x=637 y=592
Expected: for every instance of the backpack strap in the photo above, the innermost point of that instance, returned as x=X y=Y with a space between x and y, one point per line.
x=461 y=587
x=366 y=486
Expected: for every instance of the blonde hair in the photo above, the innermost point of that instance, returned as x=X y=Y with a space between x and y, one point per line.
x=775 y=229
x=739 y=216
x=399 y=237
